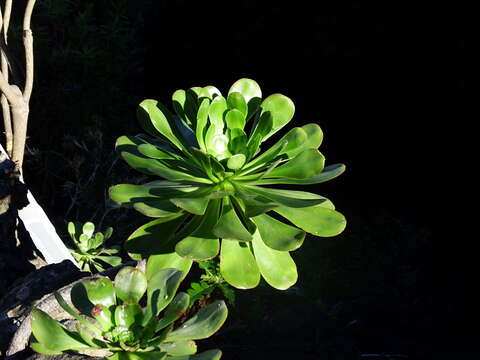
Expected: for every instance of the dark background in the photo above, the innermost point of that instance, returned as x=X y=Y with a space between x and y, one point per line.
x=395 y=95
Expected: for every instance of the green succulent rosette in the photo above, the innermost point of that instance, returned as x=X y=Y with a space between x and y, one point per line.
x=215 y=197
x=137 y=316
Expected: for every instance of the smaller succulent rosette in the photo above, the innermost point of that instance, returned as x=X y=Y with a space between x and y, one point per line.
x=216 y=196
x=111 y=318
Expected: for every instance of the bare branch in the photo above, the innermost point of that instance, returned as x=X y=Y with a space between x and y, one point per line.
x=7 y=120
x=28 y=44
x=6 y=19
x=6 y=89
x=20 y=121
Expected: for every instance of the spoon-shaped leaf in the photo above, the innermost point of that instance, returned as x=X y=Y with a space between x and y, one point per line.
x=161 y=289
x=216 y=112
x=303 y=166
x=203 y=325
x=317 y=220
x=202 y=121
x=238 y=266
x=155 y=167
x=236 y=162
x=262 y=129
x=281 y=108
x=247 y=87
x=53 y=336
x=209 y=92
x=130 y=284
x=229 y=225
x=179 y=348
x=127 y=315
x=235 y=119
x=43 y=349
x=202 y=243
x=288 y=198
x=184 y=132
x=237 y=143
x=185 y=106
x=194 y=203
x=278 y=235
x=235 y=100
x=163 y=261
x=256 y=205
x=104 y=316
x=100 y=291
x=277 y=267
x=160 y=118
x=314 y=136
x=154 y=237
x=129 y=194
x=250 y=91
x=88 y=229
x=156 y=208
x=174 y=310
x=155 y=152
x=330 y=172
x=68 y=309
x=288 y=144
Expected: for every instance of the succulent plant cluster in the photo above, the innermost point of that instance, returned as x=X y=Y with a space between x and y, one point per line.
x=90 y=252
x=215 y=196
x=112 y=318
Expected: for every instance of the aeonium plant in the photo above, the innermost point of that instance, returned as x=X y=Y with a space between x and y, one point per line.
x=215 y=196
x=111 y=317
x=90 y=252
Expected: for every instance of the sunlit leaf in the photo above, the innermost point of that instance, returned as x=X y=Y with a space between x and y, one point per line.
x=277 y=267
x=278 y=235
x=203 y=324
x=281 y=108
x=317 y=220
x=238 y=266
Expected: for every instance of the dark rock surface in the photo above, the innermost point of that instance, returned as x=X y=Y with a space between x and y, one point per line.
x=26 y=292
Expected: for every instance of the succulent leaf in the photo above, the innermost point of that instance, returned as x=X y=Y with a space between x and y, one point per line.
x=229 y=225
x=202 y=243
x=130 y=284
x=154 y=237
x=317 y=220
x=179 y=348
x=278 y=235
x=174 y=310
x=172 y=260
x=277 y=267
x=236 y=101
x=204 y=324
x=303 y=166
x=48 y=331
x=100 y=291
x=238 y=265
x=281 y=108
x=152 y=110
x=162 y=287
